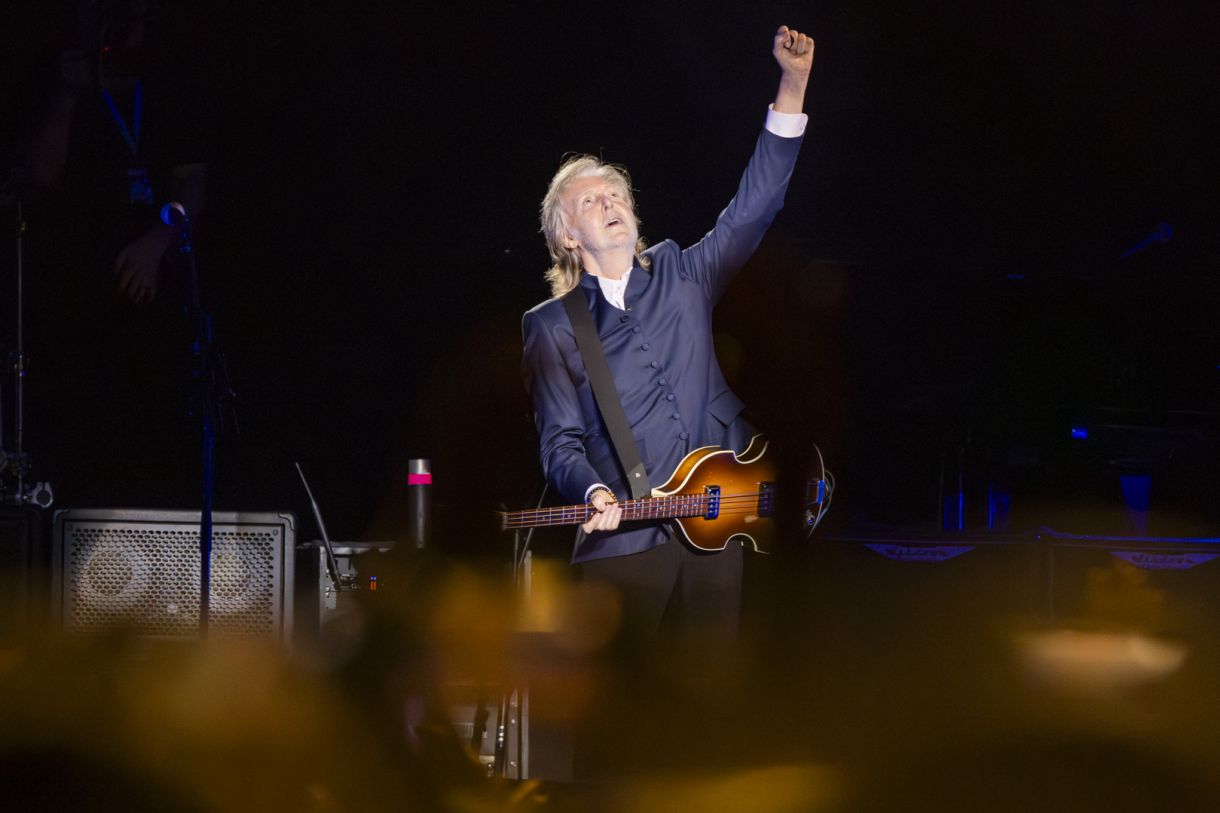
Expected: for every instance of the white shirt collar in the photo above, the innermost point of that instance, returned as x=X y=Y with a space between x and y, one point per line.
x=615 y=290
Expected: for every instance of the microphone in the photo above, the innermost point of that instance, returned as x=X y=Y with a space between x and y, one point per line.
x=174 y=214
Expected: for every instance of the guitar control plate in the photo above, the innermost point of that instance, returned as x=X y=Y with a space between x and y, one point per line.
x=766 y=499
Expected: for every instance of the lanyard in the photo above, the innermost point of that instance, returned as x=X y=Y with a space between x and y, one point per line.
x=130 y=134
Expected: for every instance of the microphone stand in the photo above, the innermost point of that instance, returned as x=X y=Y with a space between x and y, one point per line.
x=204 y=373
x=19 y=359
x=521 y=549
x=17 y=461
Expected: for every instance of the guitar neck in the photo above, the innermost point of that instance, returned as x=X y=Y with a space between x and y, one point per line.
x=682 y=505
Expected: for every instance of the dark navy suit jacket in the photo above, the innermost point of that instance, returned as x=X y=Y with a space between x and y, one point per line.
x=660 y=354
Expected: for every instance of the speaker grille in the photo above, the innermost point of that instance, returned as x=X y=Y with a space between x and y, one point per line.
x=141 y=569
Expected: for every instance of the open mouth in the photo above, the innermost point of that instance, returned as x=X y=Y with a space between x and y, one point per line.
x=613 y=222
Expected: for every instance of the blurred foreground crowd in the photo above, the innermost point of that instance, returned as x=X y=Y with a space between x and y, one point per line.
x=827 y=706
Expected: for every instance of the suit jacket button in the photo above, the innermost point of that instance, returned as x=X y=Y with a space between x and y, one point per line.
x=670 y=397
x=675 y=416
x=645 y=346
x=683 y=435
x=655 y=364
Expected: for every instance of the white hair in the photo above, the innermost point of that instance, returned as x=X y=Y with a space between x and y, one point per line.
x=564 y=273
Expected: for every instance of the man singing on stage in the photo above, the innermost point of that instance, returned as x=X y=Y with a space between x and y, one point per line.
x=652 y=309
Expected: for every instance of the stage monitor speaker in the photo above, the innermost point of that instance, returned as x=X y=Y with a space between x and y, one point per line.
x=915 y=586
x=539 y=721
x=474 y=713
x=1163 y=585
x=139 y=569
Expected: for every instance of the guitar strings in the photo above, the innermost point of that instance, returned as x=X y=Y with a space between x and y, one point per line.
x=659 y=503
x=643 y=504
x=649 y=508
x=577 y=519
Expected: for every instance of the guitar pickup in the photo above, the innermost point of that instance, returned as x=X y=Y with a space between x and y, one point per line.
x=766 y=499
x=713 y=502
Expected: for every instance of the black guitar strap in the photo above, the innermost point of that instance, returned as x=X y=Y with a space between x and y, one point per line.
x=605 y=393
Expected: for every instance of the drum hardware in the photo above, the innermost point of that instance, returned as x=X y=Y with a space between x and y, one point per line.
x=15 y=465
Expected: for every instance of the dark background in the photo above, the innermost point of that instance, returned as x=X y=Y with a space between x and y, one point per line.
x=944 y=282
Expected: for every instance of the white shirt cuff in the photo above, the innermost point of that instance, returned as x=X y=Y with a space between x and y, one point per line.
x=589 y=491
x=786 y=125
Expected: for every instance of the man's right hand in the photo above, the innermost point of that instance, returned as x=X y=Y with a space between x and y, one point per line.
x=609 y=512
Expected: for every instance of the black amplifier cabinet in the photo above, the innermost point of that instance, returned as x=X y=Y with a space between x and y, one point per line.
x=139 y=568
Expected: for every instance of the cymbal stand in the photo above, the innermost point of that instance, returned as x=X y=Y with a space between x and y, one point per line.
x=17 y=461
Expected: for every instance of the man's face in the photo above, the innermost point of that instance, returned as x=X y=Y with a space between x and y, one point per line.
x=598 y=216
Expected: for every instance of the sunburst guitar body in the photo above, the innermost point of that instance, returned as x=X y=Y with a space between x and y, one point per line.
x=714 y=497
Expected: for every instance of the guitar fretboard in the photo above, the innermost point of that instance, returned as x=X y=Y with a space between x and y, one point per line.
x=682 y=505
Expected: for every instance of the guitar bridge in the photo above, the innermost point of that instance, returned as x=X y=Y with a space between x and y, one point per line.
x=713 y=502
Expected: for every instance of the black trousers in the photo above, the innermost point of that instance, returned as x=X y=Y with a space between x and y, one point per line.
x=681 y=619
x=675 y=590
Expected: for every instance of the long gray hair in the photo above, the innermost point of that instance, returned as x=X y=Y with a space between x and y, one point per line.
x=564 y=274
